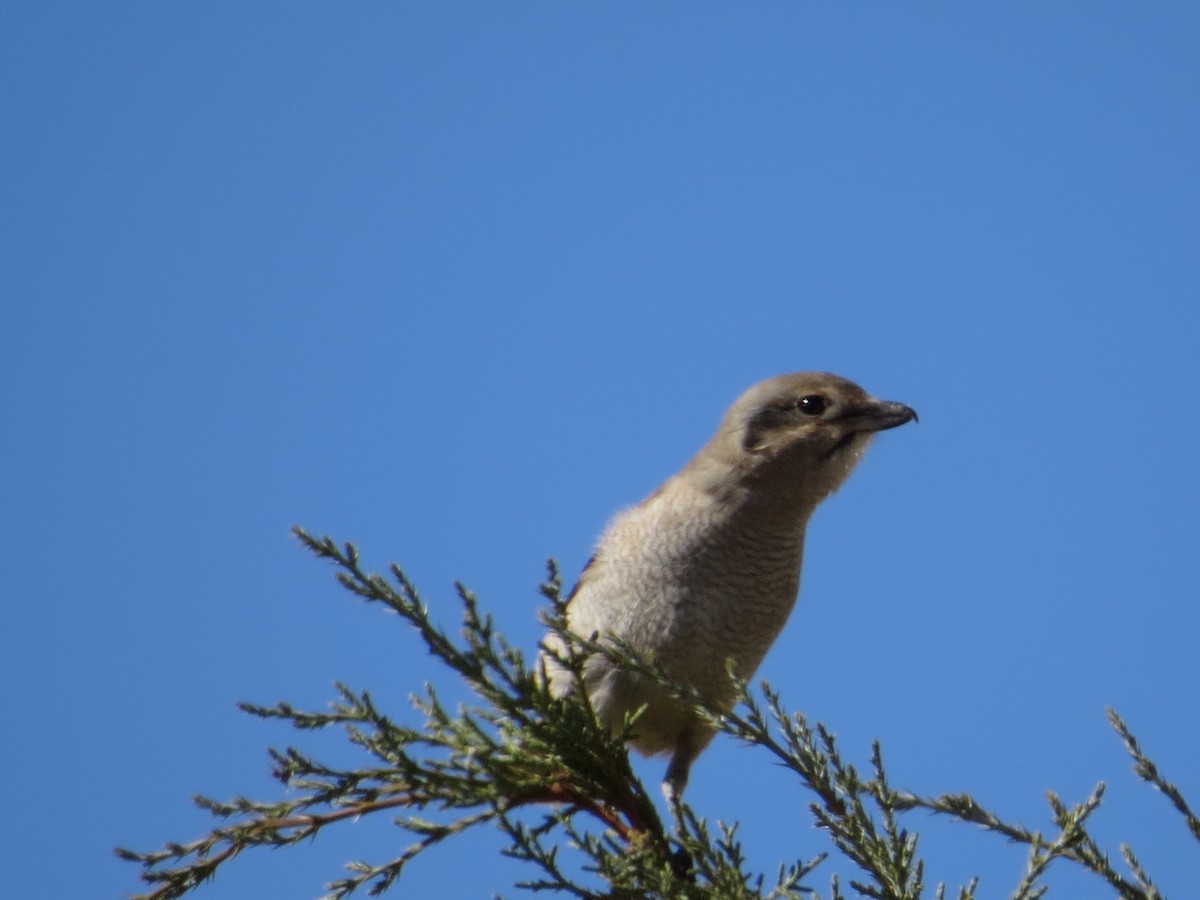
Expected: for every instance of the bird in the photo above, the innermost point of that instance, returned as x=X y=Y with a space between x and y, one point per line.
x=699 y=578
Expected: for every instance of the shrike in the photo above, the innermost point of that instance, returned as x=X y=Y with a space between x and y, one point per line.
x=706 y=569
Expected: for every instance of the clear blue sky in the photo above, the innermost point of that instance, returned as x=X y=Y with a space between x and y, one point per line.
x=458 y=281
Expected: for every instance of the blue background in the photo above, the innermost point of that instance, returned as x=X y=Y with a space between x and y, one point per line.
x=458 y=281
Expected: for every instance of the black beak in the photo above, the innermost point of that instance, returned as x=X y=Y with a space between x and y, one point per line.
x=880 y=415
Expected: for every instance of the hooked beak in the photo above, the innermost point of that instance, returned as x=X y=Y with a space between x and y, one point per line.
x=879 y=415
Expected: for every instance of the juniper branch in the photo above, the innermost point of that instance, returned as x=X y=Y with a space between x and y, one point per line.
x=1146 y=769
x=549 y=776
x=518 y=750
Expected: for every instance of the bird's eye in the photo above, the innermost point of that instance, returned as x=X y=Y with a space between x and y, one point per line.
x=812 y=404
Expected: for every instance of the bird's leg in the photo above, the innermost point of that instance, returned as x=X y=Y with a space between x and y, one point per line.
x=687 y=748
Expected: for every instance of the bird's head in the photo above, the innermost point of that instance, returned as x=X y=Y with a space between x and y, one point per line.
x=805 y=430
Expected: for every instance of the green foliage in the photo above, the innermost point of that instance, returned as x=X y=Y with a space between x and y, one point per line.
x=545 y=773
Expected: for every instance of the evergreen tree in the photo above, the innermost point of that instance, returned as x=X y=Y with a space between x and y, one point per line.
x=546 y=773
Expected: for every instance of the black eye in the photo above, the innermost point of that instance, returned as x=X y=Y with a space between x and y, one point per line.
x=812 y=405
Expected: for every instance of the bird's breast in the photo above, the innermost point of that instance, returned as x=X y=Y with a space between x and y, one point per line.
x=691 y=585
